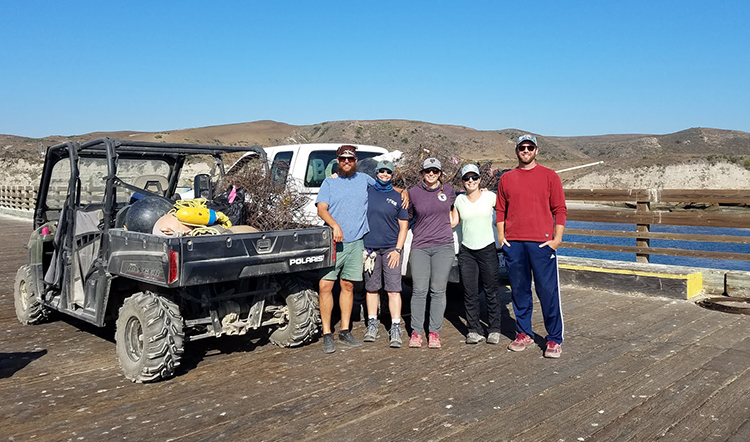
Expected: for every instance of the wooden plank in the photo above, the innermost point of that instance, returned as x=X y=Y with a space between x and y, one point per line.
x=737 y=284
x=446 y=385
x=742 y=434
x=722 y=196
x=658 y=251
x=726 y=196
x=613 y=387
x=686 y=218
x=657 y=416
x=633 y=195
x=660 y=235
x=597 y=403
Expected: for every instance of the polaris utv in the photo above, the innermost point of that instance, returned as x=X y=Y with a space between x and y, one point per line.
x=161 y=292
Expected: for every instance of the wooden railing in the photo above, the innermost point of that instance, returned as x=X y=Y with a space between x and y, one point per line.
x=647 y=213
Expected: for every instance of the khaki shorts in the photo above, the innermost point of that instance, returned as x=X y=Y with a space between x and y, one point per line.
x=349 y=262
x=383 y=276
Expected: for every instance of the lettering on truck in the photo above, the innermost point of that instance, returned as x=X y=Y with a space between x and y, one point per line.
x=306 y=260
x=145 y=270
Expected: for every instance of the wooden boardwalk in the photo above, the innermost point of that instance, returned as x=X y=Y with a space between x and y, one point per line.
x=633 y=369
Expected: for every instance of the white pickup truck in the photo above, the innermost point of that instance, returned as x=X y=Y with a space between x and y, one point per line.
x=307 y=165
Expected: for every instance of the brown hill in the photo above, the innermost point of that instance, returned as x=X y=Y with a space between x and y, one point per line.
x=469 y=144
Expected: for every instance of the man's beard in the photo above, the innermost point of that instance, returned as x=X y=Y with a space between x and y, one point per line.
x=349 y=174
x=532 y=157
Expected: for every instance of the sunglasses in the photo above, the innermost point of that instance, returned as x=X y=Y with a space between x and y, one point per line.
x=349 y=159
x=431 y=170
x=526 y=147
x=470 y=178
x=385 y=171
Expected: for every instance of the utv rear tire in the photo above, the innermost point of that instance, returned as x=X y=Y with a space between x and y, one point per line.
x=301 y=313
x=29 y=308
x=149 y=337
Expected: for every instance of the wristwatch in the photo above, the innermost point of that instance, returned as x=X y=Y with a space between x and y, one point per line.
x=398 y=251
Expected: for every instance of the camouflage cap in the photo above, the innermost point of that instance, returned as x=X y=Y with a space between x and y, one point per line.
x=527 y=137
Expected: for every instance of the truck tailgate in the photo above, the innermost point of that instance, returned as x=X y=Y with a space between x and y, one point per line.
x=218 y=258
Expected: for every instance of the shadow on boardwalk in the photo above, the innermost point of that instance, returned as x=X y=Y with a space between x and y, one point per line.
x=633 y=368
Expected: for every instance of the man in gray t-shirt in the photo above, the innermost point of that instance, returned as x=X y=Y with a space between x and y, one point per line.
x=342 y=204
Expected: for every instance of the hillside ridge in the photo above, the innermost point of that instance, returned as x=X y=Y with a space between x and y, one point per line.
x=622 y=153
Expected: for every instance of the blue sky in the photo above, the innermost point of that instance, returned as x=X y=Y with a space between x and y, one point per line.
x=548 y=67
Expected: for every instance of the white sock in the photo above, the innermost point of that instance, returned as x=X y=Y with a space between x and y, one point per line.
x=395 y=320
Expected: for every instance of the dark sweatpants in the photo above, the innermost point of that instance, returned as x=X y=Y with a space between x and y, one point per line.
x=522 y=259
x=474 y=264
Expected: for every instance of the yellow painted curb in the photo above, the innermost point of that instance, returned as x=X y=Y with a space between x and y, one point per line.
x=694 y=280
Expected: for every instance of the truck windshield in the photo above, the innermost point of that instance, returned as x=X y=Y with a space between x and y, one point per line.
x=322 y=163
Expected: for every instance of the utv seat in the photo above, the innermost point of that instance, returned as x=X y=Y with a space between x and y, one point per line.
x=153 y=183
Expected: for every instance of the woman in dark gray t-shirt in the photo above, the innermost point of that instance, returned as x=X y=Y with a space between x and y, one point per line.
x=432 y=250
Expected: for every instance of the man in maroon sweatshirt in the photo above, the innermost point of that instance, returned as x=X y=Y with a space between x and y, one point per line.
x=531 y=215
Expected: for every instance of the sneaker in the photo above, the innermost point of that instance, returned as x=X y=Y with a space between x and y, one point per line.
x=493 y=338
x=434 y=340
x=328 y=345
x=553 y=350
x=521 y=342
x=347 y=338
x=416 y=340
x=474 y=338
x=396 y=336
x=373 y=330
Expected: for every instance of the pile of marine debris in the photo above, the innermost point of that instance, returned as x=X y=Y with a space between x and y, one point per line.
x=271 y=205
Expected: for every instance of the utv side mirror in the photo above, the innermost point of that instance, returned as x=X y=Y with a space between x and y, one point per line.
x=202 y=187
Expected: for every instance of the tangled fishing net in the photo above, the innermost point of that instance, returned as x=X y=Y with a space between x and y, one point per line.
x=270 y=204
x=409 y=167
x=274 y=201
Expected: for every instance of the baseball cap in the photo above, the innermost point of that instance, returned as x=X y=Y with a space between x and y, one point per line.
x=384 y=164
x=469 y=168
x=347 y=150
x=527 y=137
x=432 y=162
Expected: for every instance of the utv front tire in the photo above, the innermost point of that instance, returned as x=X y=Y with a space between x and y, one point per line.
x=29 y=308
x=149 y=337
x=301 y=313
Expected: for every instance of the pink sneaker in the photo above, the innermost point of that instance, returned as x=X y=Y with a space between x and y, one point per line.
x=434 y=340
x=521 y=342
x=553 y=350
x=416 y=340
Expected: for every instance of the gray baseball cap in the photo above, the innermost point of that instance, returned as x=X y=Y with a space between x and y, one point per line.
x=470 y=168
x=430 y=163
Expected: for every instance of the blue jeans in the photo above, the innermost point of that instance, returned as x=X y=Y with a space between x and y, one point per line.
x=429 y=272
